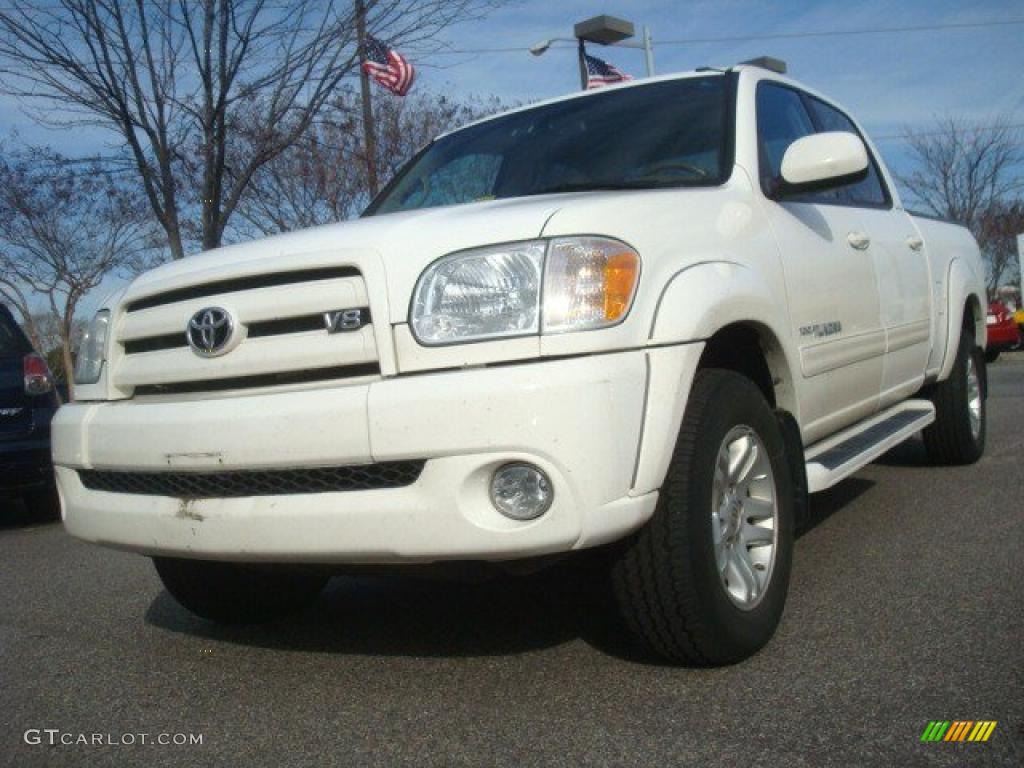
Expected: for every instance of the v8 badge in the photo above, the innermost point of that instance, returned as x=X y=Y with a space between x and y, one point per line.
x=345 y=320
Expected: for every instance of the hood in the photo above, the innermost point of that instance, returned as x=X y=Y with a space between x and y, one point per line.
x=405 y=243
x=394 y=249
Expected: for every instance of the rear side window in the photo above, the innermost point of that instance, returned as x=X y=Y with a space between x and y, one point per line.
x=869 y=191
x=12 y=343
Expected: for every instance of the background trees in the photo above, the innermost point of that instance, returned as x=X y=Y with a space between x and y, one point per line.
x=63 y=228
x=177 y=81
x=974 y=174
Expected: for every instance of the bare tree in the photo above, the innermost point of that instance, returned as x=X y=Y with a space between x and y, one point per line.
x=997 y=230
x=48 y=328
x=62 y=231
x=322 y=178
x=51 y=343
x=974 y=174
x=175 y=79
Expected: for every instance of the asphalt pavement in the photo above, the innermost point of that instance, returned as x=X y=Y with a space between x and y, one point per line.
x=905 y=607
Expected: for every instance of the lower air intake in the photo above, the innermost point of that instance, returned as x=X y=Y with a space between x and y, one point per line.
x=241 y=483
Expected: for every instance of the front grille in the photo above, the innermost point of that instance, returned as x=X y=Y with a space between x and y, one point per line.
x=235 y=285
x=276 y=327
x=282 y=334
x=241 y=483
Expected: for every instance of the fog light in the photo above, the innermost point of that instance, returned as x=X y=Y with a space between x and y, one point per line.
x=521 y=491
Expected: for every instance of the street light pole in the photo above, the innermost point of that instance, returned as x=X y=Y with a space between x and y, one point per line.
x=648 y=52
x=602 y=30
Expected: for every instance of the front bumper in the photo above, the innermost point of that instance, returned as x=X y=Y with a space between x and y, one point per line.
x=580 y=419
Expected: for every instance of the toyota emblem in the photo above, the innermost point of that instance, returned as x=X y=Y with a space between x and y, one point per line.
x=209 y=331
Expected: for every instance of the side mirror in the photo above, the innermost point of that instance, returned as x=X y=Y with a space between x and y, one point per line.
x=822 y=161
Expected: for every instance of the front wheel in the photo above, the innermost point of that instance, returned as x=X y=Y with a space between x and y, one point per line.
x=704 y=582
x=239 y=593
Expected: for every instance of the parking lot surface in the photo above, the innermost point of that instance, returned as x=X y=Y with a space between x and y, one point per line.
x=905 y=607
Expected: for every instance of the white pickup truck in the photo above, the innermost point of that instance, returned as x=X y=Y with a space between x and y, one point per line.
x=654 y=316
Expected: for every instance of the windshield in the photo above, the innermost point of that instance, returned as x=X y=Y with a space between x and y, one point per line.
x=670 y=133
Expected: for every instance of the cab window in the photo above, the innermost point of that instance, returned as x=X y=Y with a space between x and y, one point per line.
x=869 y=191
x=785 y=114
x=782 y=118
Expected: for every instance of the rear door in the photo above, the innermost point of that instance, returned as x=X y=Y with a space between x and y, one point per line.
x=15 y=407
x=900 y=261
x=831 y=284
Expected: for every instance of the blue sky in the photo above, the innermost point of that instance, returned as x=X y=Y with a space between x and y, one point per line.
x=887 y=80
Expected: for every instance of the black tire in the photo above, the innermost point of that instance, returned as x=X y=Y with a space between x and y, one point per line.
x=950 y=440
x=991 y=355
x=665 y=576
x=239 y=593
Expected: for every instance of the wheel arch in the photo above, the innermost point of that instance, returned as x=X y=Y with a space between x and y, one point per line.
x=974 y=319
x=718 y=301
x=966 y=312
x=752 y=349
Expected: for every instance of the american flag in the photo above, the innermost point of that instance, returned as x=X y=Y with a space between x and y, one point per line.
x=600 y=73
x=388 y=67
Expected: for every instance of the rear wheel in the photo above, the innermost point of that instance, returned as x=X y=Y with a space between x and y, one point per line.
x=991 y=355
x=958 y=434
x=237 y=593
x=704 y=581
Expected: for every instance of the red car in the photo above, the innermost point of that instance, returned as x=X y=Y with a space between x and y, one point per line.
x=1003 y=331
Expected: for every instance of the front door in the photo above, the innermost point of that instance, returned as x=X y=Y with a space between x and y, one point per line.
x=901 y=264
x=831 y=280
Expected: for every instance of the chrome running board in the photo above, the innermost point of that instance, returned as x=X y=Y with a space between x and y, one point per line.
x=842 y=454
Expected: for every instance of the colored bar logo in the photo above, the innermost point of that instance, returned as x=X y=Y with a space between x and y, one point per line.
x=958 y=730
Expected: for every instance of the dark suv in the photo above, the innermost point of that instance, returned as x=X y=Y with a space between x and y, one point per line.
x=27 y=403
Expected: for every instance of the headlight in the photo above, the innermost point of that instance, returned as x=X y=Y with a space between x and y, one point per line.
x=484 y=293
x=495 y=292
x=90 y=352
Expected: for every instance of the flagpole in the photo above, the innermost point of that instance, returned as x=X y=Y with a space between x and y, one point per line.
x=583 y=64
x=364 y=85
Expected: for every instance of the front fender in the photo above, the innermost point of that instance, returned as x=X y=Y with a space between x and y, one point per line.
x=709 y=295
x=696 y=302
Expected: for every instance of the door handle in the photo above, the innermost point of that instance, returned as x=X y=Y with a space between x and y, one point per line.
x=859 y=240
x=915 y=243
